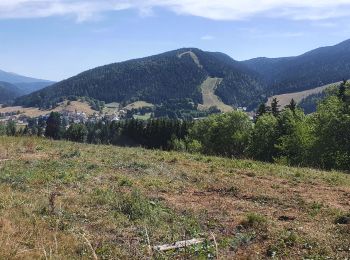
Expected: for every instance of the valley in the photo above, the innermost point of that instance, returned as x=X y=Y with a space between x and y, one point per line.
x=174 y=130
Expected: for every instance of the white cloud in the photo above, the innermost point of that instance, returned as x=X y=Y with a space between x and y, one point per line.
x=211 y=9
x=207 y=38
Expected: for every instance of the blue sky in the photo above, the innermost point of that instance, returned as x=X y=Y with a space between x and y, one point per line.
x=56 y=39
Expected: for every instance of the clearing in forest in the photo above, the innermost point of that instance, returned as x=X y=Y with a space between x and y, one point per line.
x=208 y=88
x=193 y=56
x=284 y=99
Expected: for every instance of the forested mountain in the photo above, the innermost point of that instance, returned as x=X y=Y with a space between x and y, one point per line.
x=178 y=75
x=156 y=79
x=8 y=92
x=25 y=84
x=313 y=69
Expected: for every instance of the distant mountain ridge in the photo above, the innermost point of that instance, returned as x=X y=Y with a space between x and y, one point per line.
x=312 y=69
x=15 y=78
x=8 y=92
x=179 y=74
x=21 y=85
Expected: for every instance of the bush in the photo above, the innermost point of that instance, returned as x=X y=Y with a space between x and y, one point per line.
x=224 y=134
x=254 y=220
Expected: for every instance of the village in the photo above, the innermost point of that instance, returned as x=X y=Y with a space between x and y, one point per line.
x=70 y=115
x=75 y=112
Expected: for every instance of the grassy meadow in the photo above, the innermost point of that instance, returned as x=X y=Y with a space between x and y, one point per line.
x=62 y=200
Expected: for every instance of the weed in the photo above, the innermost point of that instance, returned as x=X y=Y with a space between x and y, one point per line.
x=137 y=207
x=125 y=183
x=315 y=208
x=254 y=220
x=242 y=239
x=71 y=154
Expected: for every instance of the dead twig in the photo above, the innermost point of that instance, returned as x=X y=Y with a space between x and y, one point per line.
x=150 y=252
x=179 y=244
x=216 y=245
x=94 y=256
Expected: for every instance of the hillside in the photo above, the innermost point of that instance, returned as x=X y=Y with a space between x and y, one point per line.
x=156 y=79
x=64 y=200
x=8 y=92
x=316 y=68
x=285 y=99
x=25 y=84
x=179 y=75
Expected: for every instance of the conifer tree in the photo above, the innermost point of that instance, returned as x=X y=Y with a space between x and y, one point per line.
x=275 y=107
x=54 y=128
x=292 y=105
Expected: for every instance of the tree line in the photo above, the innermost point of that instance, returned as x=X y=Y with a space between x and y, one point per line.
x=155 y=133
x=287 y=136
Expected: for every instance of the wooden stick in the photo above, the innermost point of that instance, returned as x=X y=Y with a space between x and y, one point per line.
x=94 y=256
x=179 y=244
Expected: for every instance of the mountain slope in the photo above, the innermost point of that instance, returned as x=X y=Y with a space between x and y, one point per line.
x=125 y=200
x=25 y=84
x=29 y=87
x=155 y=79
x=313 y=69
x=15 y=78
x=8 y=92
x=179 y=74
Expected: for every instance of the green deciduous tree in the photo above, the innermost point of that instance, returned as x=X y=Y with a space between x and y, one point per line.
x=225 y=134
x=2 y=129
x=332 y=128
x=77 y=133
x=295 y=137
x=11 y=128
x=264 y=138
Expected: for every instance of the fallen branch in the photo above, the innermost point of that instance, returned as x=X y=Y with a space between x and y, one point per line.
x=179 y=244
x=94 y=256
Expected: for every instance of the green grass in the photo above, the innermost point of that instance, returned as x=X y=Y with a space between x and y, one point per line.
x=56 y=198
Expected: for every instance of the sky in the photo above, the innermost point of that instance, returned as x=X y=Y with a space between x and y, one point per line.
x=57 y=39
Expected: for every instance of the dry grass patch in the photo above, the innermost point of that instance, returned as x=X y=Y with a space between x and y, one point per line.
x=70 y=201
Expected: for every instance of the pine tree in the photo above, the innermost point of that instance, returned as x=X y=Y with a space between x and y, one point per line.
x=275 y=107
x=54 y=126
x=262 y=110
x=342 y=89
x=292 y=105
